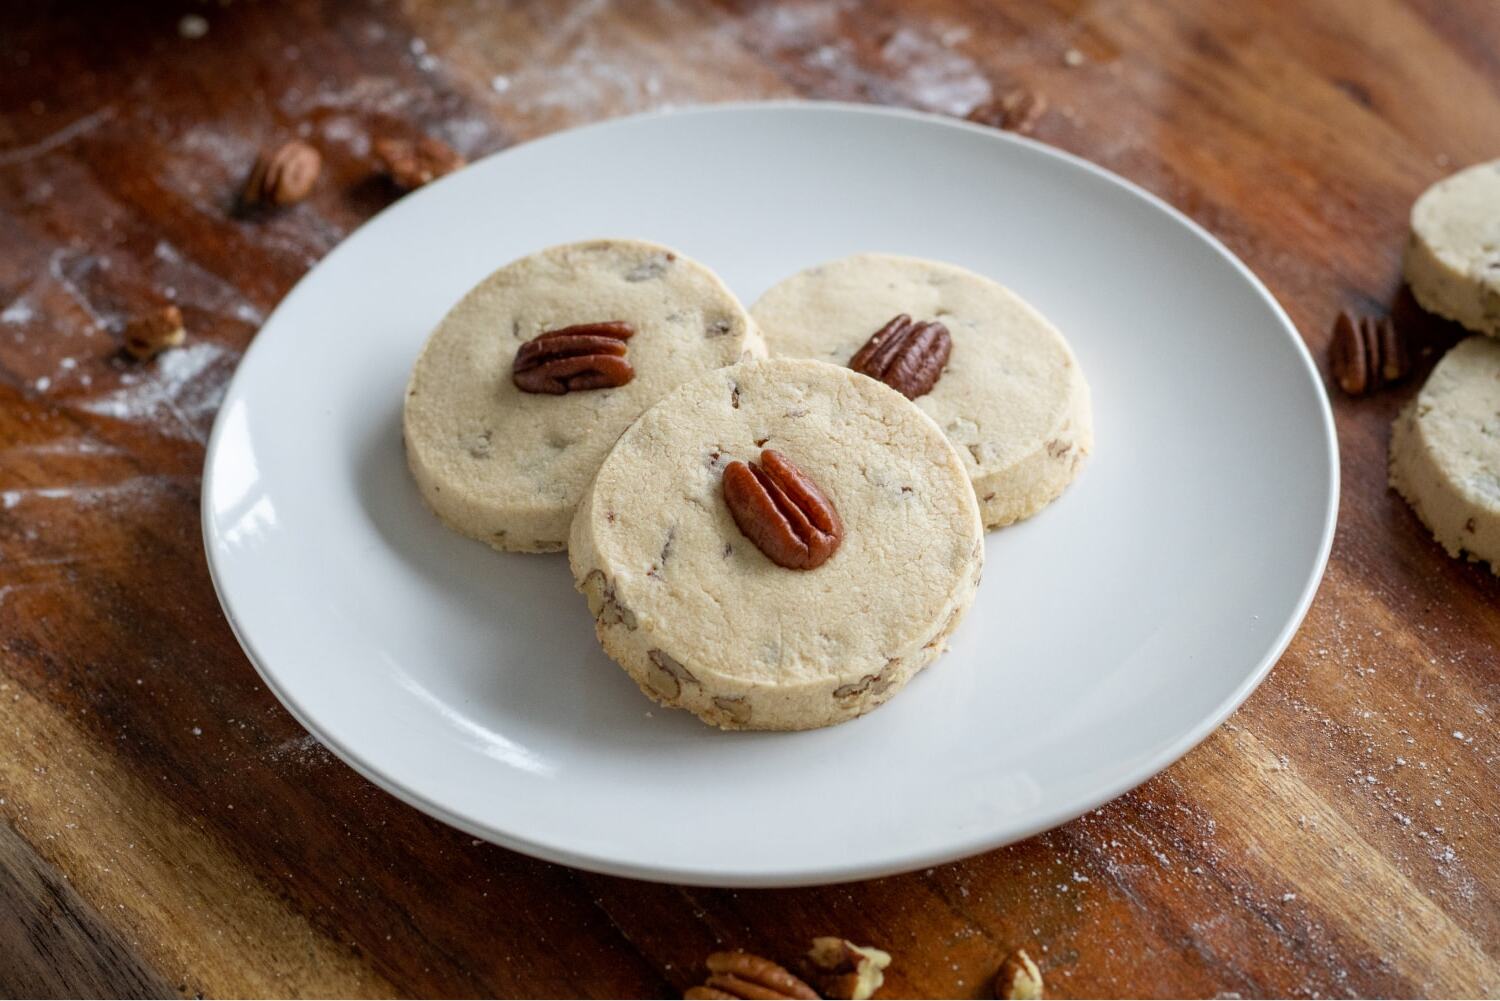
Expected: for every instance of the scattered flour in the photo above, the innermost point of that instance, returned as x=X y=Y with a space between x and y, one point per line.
x=304 y=750
x=17 y=312
x=130 y=490
x=584 y=71
x=179 y=394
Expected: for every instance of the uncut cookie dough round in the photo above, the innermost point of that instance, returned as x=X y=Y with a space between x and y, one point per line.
x=509 y=467
x=1453 y=255
x=1012 y=397
x=1445 y=451
x=703 y=620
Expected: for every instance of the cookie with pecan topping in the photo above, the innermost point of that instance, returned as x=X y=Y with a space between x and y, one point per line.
x=529 y=380
x=996 y=376
x=778 y=545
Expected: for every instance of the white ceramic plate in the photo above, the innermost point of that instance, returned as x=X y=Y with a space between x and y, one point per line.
x=1112 y=632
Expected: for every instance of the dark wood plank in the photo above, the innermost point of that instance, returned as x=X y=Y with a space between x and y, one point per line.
x=53 y=944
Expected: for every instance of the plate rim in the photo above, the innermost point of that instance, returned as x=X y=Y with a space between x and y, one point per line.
x=789 y=876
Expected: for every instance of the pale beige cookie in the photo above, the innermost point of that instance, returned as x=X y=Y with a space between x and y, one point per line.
x=1011 y=398
x=1445 y=451
x=702 y=619
x=1453 y=255
x=508 y=466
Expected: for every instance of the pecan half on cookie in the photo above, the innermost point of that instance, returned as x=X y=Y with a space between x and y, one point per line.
x=782 y=511
x=906 y=355
x=585 y=356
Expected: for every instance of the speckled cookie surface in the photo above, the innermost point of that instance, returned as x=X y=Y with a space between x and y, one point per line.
x=1453 y=255
x=1445 y=451
x=510 y=467
x=1012 y=397
x=703 y=620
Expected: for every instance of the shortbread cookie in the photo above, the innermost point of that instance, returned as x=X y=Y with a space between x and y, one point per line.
x=1445 y=451
x=1453 y=254
x=509 y=466
x=702 y=618
x=1011 y=397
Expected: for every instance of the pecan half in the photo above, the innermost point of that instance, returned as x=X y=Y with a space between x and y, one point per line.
x=783 y=512
x=585 y=356
x=1367 y=353
x=905 y=355
x=284 y=175
x=743 y=975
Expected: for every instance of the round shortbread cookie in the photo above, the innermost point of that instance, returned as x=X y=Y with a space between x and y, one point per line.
x=703 y=620
x=1012 y=397
x=1453 y=255
x=509 y=467
x=1445 y=451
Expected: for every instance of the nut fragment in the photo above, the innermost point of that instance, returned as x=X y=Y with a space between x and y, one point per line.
x=735 y=707
x=783 y=512
x=668 y=683
x=847 y=970
x=148 y=336
x=413 y=163
x=585 y=356
x=1017 y=110
x=743 y=975
x=1367 y=353
x=872 y=683
x=1018 y=979
x=284 y=175
x=905 y=355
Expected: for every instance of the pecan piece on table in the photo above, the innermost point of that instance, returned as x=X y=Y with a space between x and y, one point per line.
x=412 y=163
x=782 y=511
x=1017 y=110
x=1368 y=352
x=283 y=176
x=848 y=971
x=150 y=334
x=584 y=356
x=906 y=355
x=1018 y=979
x=743 y=975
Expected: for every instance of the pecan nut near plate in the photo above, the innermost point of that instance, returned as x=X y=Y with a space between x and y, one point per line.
x=745 y=975
x=412 y=163
x=150 y=334
x=1367 y=353
x=846 y=970
x=283 y=176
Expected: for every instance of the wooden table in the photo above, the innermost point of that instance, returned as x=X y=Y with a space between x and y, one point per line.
x=168 y=828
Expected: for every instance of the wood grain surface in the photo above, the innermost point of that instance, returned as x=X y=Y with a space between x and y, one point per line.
x=165 y=826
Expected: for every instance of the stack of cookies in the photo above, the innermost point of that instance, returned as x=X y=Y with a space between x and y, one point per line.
x=776 y=516
x=1445 y=445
